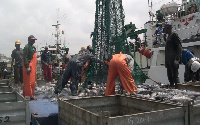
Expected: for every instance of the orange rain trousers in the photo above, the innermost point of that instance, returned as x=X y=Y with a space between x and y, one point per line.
x=118 y=66
x=29 y=79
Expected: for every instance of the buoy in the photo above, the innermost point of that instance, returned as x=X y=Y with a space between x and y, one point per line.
x=146 y=52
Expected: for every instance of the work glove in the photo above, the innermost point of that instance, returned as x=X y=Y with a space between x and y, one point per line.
x=176 y=63
x=106 y=62
x=28 y=70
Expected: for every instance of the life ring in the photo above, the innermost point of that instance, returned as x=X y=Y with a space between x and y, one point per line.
x=189 y=9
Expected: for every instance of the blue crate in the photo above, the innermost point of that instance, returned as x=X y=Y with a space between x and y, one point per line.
x=43 y=112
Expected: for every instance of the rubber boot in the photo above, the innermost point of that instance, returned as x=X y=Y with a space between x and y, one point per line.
x=171 y=86
x=74 y=93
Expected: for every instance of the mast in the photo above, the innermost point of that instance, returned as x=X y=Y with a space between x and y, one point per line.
x=151 y=14
x=57 y=36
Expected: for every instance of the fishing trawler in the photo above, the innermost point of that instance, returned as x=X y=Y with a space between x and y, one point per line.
x=57 y=50
x=185 y=20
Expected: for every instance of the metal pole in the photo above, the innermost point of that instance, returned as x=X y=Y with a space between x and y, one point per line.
x=57 y=35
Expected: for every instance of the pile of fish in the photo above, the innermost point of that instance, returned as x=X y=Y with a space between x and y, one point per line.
x=167 y=95
x=148 y=91
x=45 y=91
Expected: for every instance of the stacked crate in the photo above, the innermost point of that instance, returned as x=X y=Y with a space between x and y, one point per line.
x=13 y=107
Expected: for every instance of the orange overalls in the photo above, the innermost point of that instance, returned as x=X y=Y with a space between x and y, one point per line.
x=118 y=66
x=29 y=79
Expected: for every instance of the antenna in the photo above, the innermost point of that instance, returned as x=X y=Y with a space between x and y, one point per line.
x=58 y=10
x=57 y=36
x=151 y=14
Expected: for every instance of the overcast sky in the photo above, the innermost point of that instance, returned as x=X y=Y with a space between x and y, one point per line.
x=21 y=18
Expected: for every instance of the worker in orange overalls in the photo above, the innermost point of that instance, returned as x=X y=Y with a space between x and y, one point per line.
x=29 y=68
x=119 y=65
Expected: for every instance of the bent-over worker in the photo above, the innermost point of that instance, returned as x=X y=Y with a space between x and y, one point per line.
x=191 y=65
x=74 y=69
x=118 y=66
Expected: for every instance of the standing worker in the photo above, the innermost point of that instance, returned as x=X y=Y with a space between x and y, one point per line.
x=74 y=69
x=121 y=65
x=66 y=57
x=191 y=66
x=173 y=50
x=17 y=64
x=29 y=68
x=46 y=60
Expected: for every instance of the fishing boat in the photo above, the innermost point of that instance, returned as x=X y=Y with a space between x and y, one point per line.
x=185 y=20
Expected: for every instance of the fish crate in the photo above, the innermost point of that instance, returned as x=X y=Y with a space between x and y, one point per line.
x=14 y=109
x=121 y=110
x=194 y=114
